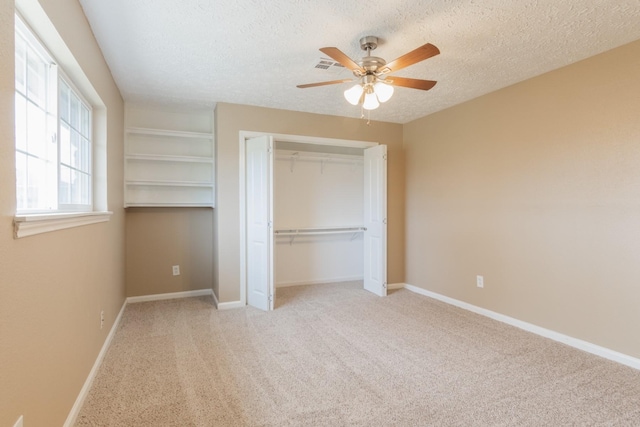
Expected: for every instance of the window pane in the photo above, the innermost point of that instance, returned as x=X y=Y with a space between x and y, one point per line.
x=85 y=195
x=74 y=112
x=85 y=164
x=21 y=57
x=75 y=149
x=21 y=180
x=65 y=144
x=75 y=188
x=37 y=184
x=36 y=131
x=65 y=185
x=36 y=79
x=21 y=122
x=84 y=122
x=64 y=101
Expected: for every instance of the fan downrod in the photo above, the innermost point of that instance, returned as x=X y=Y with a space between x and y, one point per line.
x=371 y=64
x=369 y=43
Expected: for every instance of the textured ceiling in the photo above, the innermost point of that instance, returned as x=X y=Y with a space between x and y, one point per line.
x=199 y=52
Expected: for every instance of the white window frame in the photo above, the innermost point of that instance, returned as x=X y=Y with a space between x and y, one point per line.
x=34 y=221
x=69 y=207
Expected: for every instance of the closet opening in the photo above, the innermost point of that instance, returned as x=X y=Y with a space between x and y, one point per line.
x=313 y=210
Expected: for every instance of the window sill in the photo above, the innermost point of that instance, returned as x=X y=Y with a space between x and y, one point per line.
x=28 y=225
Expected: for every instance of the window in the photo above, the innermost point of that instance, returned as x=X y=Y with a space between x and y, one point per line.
x=53 y=132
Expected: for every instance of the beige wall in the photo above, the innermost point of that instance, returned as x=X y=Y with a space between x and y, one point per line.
x=157 y=239
x=536 y=187
x=232 y=118
x=54 y=285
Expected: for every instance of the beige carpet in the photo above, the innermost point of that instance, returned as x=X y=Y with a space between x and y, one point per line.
x=337 y=355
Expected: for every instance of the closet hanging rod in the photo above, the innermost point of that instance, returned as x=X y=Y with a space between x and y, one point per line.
x=319 y=230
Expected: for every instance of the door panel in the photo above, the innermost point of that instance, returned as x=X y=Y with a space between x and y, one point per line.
x=375 y=220
x=259 y=217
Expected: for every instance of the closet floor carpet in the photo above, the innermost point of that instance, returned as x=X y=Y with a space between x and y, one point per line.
x=333 y=355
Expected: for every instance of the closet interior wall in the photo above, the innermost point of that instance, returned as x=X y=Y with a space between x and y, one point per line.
x=321 y=188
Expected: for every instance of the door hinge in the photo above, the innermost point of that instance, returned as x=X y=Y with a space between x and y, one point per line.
x=384 y=157
x=271 y=298
x=270 y=224
x=384 y=221
x=384 y=285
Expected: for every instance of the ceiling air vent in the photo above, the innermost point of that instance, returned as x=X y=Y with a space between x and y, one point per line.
x=328 y=65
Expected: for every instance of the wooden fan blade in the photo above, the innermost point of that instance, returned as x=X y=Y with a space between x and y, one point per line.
x=411 y=83
x=332 y=82
x=342 y=58
x=420 y=54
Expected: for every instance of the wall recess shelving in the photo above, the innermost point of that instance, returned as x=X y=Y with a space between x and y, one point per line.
x=165 y=168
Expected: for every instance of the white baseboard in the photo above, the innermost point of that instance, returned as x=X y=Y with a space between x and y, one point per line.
x=75 y=410
x=547 y=333
x=171 y=295
x=230 y=305
x=227 y=305
x=320 y=282
x=215 y=299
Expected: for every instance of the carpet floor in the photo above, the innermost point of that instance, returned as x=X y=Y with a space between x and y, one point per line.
x=336 y=355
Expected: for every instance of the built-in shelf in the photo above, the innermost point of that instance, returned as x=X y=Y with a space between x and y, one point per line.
x=167 y=158
x=166 y=132
x=168 y=168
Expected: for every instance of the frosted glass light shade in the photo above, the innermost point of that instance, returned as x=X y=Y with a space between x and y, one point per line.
x=354 y=94
x=384 y=91
x=370 y=101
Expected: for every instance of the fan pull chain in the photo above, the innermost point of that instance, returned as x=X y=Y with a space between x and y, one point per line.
x=368 y=117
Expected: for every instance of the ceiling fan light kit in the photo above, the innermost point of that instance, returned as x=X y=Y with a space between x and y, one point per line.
x=373 y=86
x=354 y=94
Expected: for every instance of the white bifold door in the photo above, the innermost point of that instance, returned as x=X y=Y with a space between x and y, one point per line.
x=259 y=221
x=375 y=220
x=259 y=217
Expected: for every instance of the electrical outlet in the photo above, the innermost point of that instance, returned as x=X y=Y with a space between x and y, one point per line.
x=480 y=281
x=176 y=270
x=101 y=318
x=19 y=422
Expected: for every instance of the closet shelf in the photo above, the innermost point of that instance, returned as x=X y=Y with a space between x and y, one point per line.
x=171 y=183
x=166 y=158
x=323 y=158
x=168 y=205
x=174 y=133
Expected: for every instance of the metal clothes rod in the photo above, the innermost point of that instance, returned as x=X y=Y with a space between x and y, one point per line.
x=294 y=232
x=319 y=230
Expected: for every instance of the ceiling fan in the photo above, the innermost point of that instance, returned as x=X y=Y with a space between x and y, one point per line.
x=373 y=84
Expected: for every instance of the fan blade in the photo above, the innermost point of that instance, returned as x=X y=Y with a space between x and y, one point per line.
x=332 y=82
x=420 y=54
x=411 y=83
x=342 y=58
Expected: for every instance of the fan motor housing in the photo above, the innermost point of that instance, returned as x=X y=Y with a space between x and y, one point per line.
x=372 y=63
